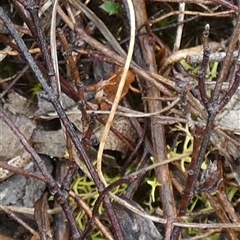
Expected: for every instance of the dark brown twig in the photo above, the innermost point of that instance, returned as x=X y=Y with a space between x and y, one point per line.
x=202 y=138
x=51 y=96
x=119 y=182
x=203 y=71
x=24 y=17
x=53 y=187
x=148 y=76
x=21 y=172
x=20 y=221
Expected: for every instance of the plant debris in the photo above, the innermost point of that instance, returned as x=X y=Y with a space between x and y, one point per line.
x=171 y=165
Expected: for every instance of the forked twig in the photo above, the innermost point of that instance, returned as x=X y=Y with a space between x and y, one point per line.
x=212 y=106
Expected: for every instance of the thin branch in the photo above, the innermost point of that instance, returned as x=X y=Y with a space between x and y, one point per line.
x=52 y=97
x=203 y=71
x=227 y=62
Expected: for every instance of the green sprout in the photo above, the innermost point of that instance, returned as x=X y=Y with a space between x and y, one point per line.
x=110 y=7
x=36 y=89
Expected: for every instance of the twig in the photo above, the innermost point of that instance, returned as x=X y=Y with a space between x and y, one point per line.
x=179 y=28
x=203 y=71
x=106 y=191
x=101 y=26
x=119 y=90
x=156 y=80
x=20 y=221
x=53 y=187
x=202 y=137
x=88 y=211
x=194 y=13
x=222 y=2
x=19 y=171
x=227 y=62
x=157 y=129
x=52 y=97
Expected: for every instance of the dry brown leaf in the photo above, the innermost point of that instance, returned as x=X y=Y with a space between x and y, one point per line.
x=3 y=237
x=108 y=88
